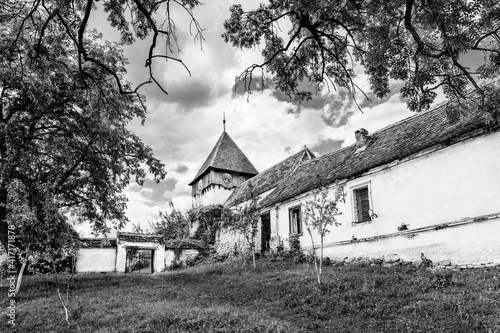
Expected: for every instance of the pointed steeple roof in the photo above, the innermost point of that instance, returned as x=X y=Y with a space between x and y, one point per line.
x=226 y=155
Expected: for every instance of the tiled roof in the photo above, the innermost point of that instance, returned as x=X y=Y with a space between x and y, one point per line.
x=395 y=142
x=133 y=237
x=226 y=155
x=98 y=242
x=268 y=179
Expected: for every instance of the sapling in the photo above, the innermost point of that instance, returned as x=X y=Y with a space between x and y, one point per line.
x=318 y=215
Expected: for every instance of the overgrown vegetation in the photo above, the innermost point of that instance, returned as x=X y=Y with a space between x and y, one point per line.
x=419 y=43
x=197 y=229
x=245 y=221
x=276 y=297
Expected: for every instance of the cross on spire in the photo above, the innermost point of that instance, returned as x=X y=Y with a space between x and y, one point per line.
x=224 y=121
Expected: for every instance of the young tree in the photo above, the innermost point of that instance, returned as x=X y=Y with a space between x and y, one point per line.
x=319 y=215
x=54 y=248
x=419 y=42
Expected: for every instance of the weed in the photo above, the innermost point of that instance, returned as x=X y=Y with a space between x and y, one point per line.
x=440 y=279
x=279 y=297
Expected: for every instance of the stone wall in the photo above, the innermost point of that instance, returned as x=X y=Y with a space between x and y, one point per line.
x=180 y=258
x=392 y=260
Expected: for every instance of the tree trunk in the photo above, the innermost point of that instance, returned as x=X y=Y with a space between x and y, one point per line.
x=316 y=266
x=65 y=307
x=21 y=271
x=4 y=226
x=320 y=268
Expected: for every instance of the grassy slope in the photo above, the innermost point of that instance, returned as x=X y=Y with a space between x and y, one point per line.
x=276 y=298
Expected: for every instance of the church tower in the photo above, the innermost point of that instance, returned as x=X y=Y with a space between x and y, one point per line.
x=225 y=168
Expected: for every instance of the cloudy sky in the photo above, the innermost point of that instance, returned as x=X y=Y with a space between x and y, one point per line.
x=183 y=126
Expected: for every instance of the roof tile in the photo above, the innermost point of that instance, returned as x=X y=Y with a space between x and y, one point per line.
x=226 y=155
x=395 y=142
x=269 y=178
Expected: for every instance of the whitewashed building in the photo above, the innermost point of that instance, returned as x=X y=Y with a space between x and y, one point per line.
x=129 y=252
x=429 y=184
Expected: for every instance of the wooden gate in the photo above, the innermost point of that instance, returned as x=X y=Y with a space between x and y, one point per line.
x=139 y=261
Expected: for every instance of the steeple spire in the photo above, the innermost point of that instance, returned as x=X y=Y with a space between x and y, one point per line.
x=224 y=121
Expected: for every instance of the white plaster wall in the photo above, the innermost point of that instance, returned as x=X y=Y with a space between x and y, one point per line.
x=476 y=242
x=451 y=184
x=96 y=260
x=121 y=255
x=227 y=241
x=186 y=254
x=215 y=196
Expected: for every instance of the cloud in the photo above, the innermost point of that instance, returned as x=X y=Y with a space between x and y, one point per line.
x=191 y=94
x=147 y=192
x=183 y=126
x=181 y=168
x=326 y=146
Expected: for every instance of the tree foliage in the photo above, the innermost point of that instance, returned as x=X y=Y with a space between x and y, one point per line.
x=65 y=107
x=198 y=227
x=172 y=224
x=40 y=21
x=208 y=221
x=419 y=42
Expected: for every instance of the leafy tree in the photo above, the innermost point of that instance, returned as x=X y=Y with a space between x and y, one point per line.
x=418 y=42
x=65 y=107
x=172 y=225
x=319 y=215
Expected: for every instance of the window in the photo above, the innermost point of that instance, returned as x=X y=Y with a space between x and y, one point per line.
x=362 y=204
x=295 y=221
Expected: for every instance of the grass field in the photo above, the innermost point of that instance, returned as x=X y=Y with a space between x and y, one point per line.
x=276 y=297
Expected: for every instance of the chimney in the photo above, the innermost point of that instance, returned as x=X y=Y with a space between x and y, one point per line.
x=362 y=137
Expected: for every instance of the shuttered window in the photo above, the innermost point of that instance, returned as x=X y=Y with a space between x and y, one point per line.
x=295 y=221
x=362 y=204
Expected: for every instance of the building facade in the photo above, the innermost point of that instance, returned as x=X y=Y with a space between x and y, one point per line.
x=427 y=185
x=225 y=168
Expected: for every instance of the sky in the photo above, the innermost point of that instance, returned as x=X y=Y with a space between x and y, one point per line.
x=183 y=126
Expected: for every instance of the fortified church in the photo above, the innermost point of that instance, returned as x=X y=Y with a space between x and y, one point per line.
x=225 y=168
x=424 y=187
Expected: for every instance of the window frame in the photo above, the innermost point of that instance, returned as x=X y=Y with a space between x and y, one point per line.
x=299 y=230
x=354 y=200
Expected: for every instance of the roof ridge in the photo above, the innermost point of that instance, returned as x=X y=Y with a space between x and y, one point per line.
x=385 y=128
x=392 y=143
x=297 y=160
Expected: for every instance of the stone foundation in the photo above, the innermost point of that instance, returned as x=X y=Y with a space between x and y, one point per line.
x=393 y=260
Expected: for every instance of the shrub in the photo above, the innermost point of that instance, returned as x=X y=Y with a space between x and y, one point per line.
x=295 y=253
x=4 y=267
x=440 y=279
